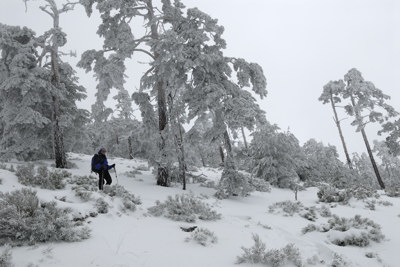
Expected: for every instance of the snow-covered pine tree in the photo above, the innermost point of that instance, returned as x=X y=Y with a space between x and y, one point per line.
x=390 y=163
x=393 y=138
x=322 y=164
x=24 y=96
x=277 y=156
x=27 y=91
x=367 y=104
x=331 y=94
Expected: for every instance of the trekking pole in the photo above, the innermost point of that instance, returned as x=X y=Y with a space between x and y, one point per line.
x=116 y=177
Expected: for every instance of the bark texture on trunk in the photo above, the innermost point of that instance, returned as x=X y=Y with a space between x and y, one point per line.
x=244 y=139
x=369 y=150
x=58 y=139
x=178 y=140
x=337 y=122
x=130 y=150
x=163 y=178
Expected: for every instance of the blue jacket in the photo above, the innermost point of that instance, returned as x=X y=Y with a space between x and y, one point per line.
x=103 y=163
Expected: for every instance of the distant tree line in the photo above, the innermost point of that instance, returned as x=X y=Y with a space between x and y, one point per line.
x=195 y=103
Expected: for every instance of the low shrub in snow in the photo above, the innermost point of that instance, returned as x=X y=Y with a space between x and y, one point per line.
x=23 y=220
x=233 y=183
x=42 y=177
x=129 y=200
x=91 y=182
x=328 y=193
x=325 y=211
x=6 y=257
x=372 y=203
x=203 y=237
x=338 y=261
x=355 y=231
x=101 y=205
x=309 y=213
x=84 y=186
x=184 y=208
x=260 y=184
x=393 y=191
x=362 y=192
x=273 y=257
x=288 y=207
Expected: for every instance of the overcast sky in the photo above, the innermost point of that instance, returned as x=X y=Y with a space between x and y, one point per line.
x=300 y=44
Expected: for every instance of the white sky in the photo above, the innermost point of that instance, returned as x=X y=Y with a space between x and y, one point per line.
x=301 y=45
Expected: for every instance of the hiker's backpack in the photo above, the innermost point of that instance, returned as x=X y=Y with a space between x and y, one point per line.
x=97 y=161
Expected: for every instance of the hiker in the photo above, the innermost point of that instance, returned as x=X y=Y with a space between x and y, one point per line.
x=101 y=167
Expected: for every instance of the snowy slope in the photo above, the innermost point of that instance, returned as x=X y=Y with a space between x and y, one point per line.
x=126 y=238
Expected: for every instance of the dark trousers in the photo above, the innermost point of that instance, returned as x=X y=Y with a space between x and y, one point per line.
x=104 y=177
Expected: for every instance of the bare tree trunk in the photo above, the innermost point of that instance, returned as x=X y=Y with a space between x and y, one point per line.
x=229 y=163
x=221 y=153
x=59 y=152
x=337 y=122
x=162 y=171
x=178 y=139
x=130 y=150
x=244 y=139
x=371 y=156
x=203 y=162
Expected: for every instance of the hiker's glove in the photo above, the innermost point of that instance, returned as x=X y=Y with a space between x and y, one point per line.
x=113 y=166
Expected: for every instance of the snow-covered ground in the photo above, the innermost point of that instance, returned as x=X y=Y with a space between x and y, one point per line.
x=126 y=238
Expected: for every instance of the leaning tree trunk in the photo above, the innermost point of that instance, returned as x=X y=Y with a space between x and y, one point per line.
x=221 y=154
x=337 y=122
x=162 y=170
x=58 y=139
x=244 y=139
x=371 y=156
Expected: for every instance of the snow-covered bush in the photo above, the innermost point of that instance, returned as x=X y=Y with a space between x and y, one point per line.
x=325 y=211
x=84 y=186
x=4 y=167
x=330 y=194
x=338 y=261
x=255 y=254
x=23 y=220
x=203 y=237
x=362 y=192
x=91 y=181
x=280 y=257
x=288 y=207
x=184 y=208
x=309 y=213
x=393 y=191
x=273 y=257
x=42 y=177
x=82 y=192
x=355 y=231
x=101 y=205
x=129 y=200
x=6 y=257
x=260 y=185
x=233 y=183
